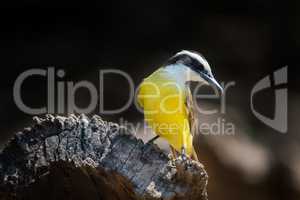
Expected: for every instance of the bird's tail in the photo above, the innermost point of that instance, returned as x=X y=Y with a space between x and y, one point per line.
x=194 y=155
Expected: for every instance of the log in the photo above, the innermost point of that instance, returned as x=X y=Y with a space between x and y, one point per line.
x=78 y=157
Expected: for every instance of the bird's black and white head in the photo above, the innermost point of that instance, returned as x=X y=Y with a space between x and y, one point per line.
x=194 y=67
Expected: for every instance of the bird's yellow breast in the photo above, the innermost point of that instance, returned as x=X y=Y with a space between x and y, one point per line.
x=163 y=101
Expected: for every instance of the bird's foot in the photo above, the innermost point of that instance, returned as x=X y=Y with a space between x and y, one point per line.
x=182 y=161
x=183 y=155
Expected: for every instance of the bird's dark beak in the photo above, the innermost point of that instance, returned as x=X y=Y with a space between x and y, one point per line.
x=212 y=81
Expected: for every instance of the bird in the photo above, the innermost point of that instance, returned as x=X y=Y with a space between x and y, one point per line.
x=167 y=102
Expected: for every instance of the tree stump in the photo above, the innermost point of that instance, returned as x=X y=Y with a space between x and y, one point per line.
x=88 y=158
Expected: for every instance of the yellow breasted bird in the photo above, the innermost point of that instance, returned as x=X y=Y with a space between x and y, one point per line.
x=167 y=101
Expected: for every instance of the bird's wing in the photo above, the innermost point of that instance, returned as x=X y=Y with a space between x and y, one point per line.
x=192 y=111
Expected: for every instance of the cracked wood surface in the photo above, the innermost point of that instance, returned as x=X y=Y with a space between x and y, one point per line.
x=80 y=157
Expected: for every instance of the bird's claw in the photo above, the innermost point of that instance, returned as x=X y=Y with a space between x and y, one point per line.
x=183 y=155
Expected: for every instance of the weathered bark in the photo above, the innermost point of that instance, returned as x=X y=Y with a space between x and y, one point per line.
x=81 y=158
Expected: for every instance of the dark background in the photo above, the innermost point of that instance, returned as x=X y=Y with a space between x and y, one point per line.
x=243 y=42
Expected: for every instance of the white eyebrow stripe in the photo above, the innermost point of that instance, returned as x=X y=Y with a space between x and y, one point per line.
x=197 y=57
